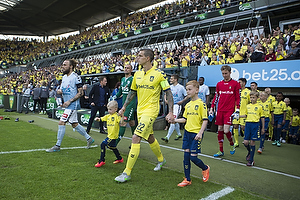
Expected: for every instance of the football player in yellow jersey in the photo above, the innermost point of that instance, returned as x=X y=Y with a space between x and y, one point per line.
x=271 y=99
x=286 y=126
x=268 y=109
x=113 y=121
x=195 y=117
x=245 y=100
x=295 y=123
x=278 y=117
x=146 y=85
x=253 y=87
x=254 y=114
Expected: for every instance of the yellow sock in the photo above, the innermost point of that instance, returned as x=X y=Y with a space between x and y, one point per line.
x=132 y=157
x=156 y=150
x=270 y=131
x=236 y=135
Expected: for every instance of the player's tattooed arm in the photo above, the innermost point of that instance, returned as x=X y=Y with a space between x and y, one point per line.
x=78 y=95
x=170 y=100
x=131 y=95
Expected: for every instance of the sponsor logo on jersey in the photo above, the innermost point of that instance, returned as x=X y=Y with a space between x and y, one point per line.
x=192 y=113
x=150 y=87
x=226 y=92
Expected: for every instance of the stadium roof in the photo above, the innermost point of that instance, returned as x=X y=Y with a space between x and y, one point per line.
x=54 y=17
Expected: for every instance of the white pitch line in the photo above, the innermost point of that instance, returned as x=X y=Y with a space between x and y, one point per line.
x=219 y=194
x=32 y=150
x=230 y=161
x=173 y=148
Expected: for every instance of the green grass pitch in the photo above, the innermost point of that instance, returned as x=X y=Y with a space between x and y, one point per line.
x=70 y=173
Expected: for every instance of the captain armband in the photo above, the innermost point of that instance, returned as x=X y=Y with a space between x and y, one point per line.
x=164 y=84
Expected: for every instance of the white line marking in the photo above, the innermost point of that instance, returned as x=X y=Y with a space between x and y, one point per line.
x=219 y=194
x=32 y=150
x=230 y=161
x=168 y=147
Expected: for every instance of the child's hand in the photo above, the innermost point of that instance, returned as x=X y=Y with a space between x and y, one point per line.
x=198 y=136
x=122 y=120
x=97 y=119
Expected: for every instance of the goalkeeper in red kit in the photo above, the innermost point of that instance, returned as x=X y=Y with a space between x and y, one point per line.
x=226 y=104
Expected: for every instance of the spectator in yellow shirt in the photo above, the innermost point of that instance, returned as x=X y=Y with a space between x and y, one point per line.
x=280 y=53
x=238 y=55
x=221 y=60
x=214 y=60
x=185 y=59
x=230 y=59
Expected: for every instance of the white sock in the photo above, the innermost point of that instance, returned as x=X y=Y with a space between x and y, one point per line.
x=82 y=131
x=60 y=134
x=171 y=130
x=177 y=129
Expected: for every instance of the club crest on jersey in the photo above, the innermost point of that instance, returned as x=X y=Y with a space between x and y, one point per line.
x=255 y=108
x=196 y=107
x=151 y=78
x=230 y=87
x=113 y=119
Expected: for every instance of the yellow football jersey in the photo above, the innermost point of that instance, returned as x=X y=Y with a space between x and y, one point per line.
x=148 y=86
x=289 y=113
x=113 y=126
x=195 y=112
x=245 y=100
x=267 y=107
x=296 y=120
x=254 y=112
x=279 y=107
x=271 y=99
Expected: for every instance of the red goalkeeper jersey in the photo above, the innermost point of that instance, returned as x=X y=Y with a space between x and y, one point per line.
x=227 y=96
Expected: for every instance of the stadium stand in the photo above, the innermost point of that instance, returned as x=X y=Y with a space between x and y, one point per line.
x=239 y=37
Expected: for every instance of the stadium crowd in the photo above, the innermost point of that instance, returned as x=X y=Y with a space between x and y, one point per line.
x=226 y=50
x=18 y=50
x=245 y=48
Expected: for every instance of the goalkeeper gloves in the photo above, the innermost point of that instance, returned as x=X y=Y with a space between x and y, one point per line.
x=211 y=117
x=112 y=98
x=236 y=114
